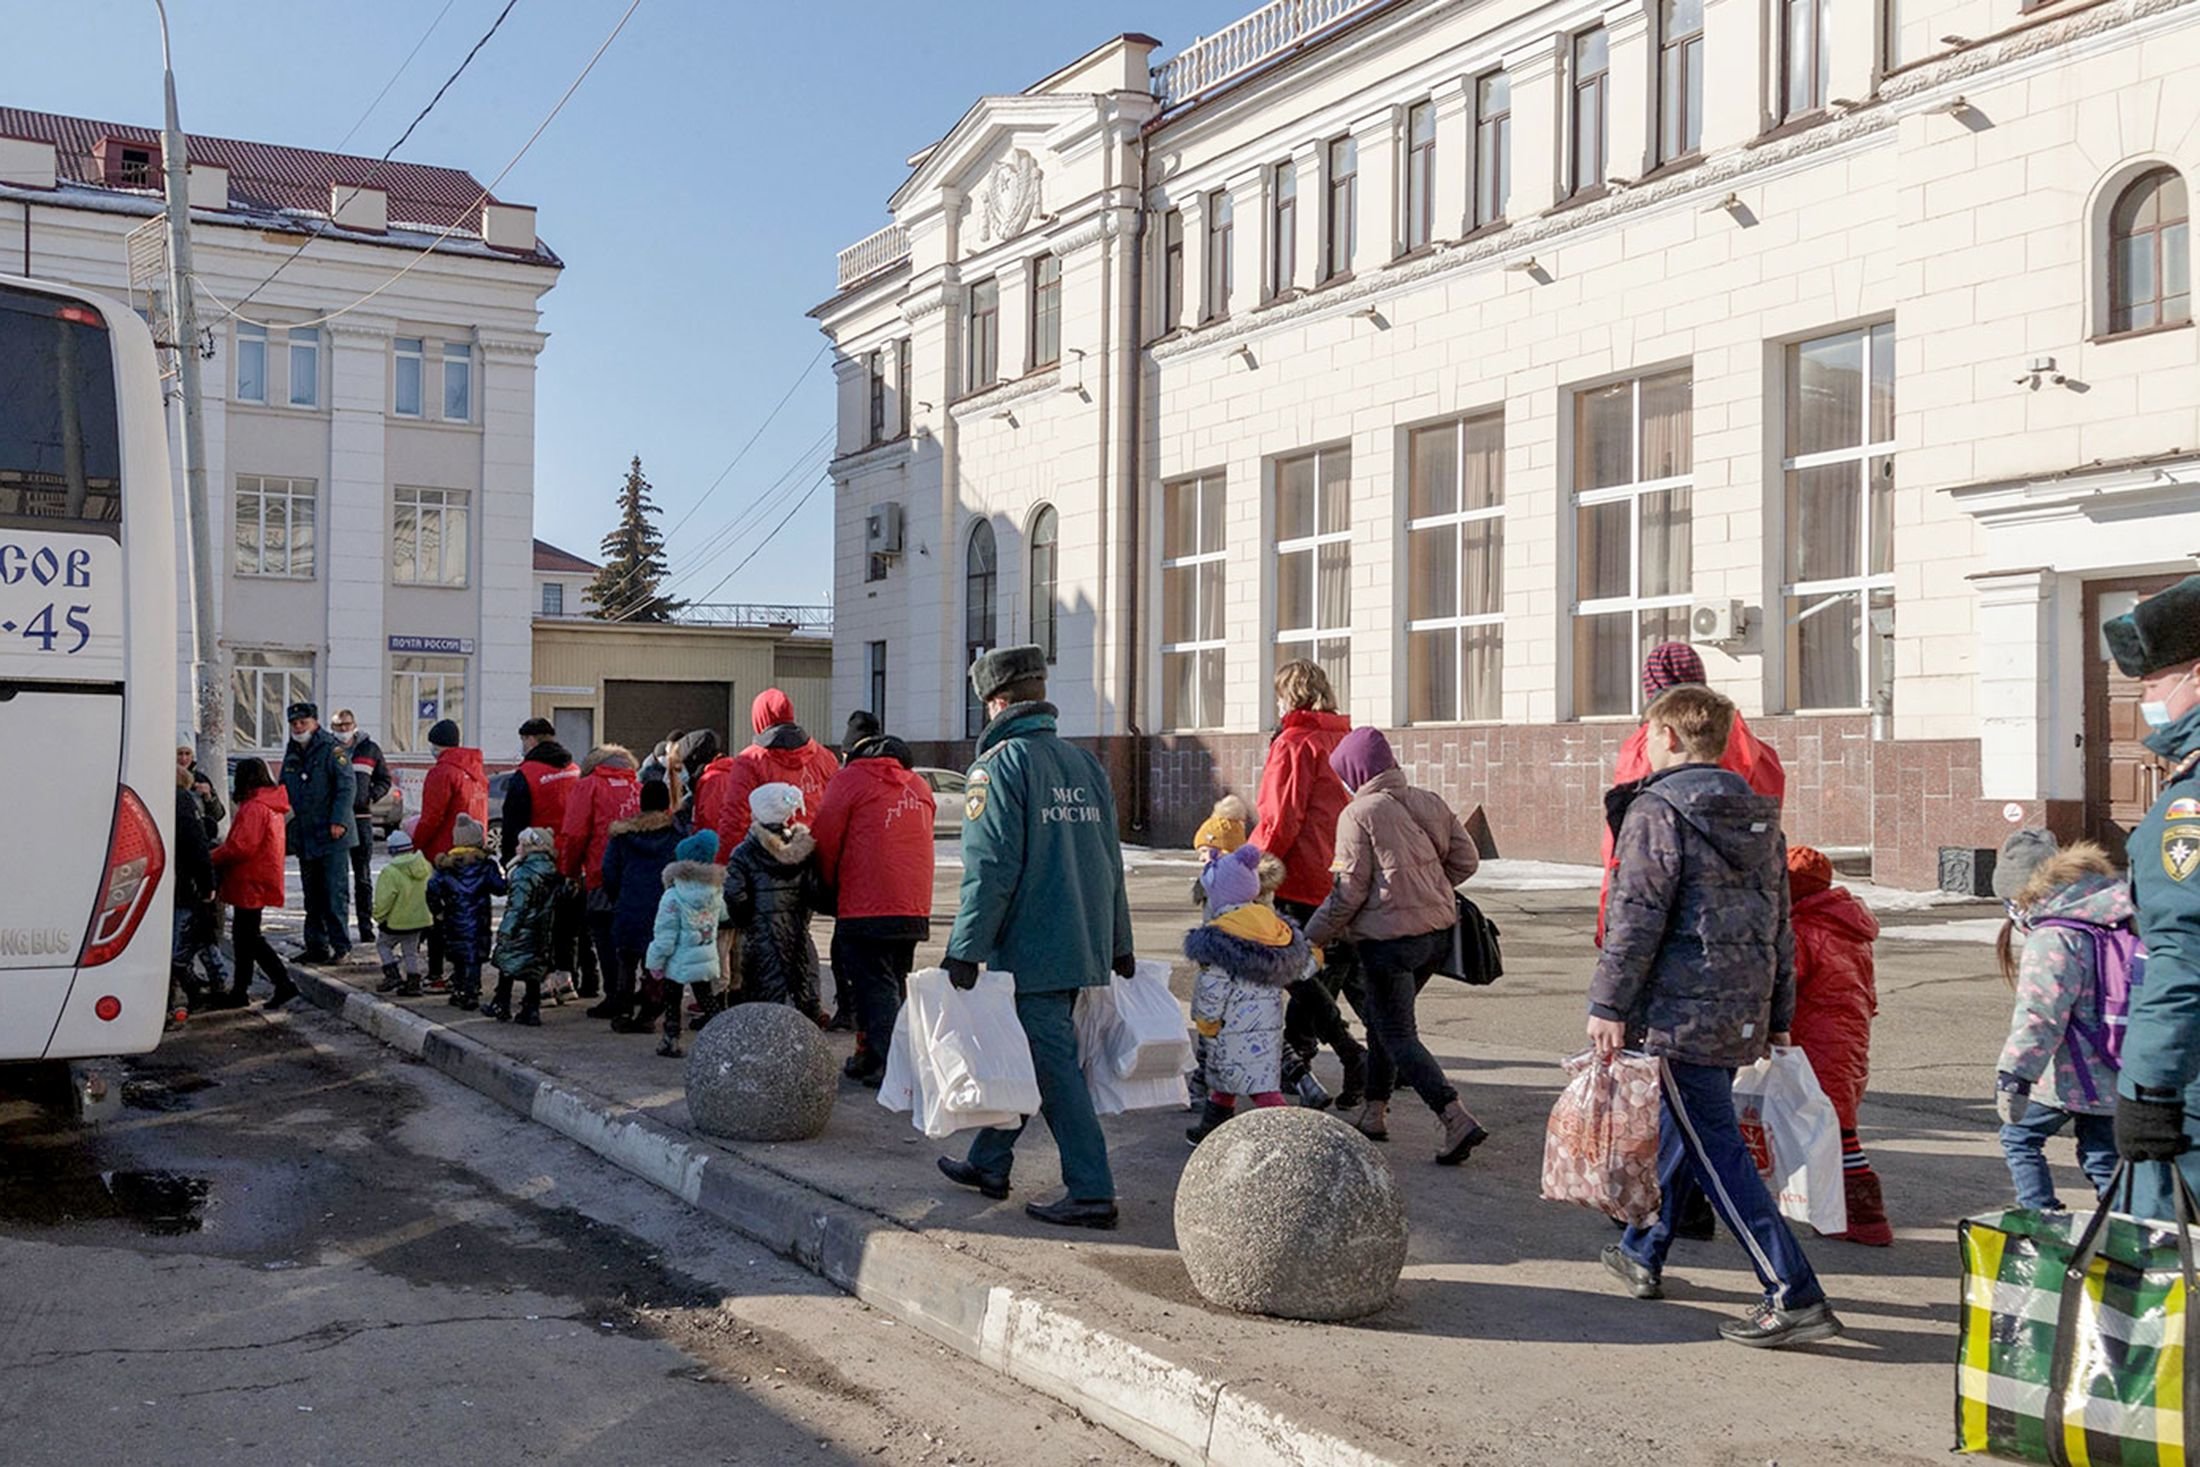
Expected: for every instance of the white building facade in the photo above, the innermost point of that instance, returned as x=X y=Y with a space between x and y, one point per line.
x=1471 y=349
x=370 y=462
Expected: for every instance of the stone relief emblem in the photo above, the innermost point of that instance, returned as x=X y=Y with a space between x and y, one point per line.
x=1011 y=195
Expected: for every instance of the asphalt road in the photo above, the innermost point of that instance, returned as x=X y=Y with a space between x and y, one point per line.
x=290 y=1245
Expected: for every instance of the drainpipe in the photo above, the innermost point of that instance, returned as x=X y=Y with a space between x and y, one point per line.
x=1134 y=461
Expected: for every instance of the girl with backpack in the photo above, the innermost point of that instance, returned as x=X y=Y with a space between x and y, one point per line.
x=2069 y=951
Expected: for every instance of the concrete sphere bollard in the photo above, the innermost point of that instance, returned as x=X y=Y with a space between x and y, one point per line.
x=761 y=1072
x=1293 y=1213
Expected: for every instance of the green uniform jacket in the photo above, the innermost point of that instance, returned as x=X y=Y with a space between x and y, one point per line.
x=317 y=773
x=2162 y=1044
x=1042 y=884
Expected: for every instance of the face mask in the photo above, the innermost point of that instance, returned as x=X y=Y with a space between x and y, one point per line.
x=2158 y=715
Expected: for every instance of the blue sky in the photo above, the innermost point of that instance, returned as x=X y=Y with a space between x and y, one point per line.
x=698 y=186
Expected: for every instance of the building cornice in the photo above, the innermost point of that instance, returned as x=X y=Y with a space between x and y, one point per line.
x=931 y=300
x=895 y=453
x=496 y=344
x=1004 y=396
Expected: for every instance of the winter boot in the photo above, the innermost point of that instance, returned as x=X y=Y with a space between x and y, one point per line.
x=410 y=988
x=1353 y=1057
x=669 y=1047
x=1373 y=1121
x=1211 y=1115
x=1310 y=1092
x=530 y=1008
x=1462 y=1133
x=1868 y=1222
x=392 y=980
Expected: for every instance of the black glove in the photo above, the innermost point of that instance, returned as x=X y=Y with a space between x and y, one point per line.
x=1126 y=965
x=2150 y=1130
x=962 y=972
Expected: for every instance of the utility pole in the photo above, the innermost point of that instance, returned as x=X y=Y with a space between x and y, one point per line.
x=209 y=699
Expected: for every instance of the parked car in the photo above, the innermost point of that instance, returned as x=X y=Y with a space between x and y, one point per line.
x=498 y=784
x=388 y=812
x=949 y=786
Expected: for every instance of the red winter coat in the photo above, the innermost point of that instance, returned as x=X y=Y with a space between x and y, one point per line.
x=1300 y=800
x=610 y=790
x=249 y=864
x=1835 y=993
x=713 y=786
x=782 y=754
x=874 y=839
x=1746 y=754
x=455 y=786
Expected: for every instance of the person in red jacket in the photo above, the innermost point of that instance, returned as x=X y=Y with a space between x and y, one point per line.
x=874 y=850
x=249 y=871
x=455 y=786
x=1672 y=665
x=610 y=790
x=1836 y=996
x=782 y=753
x=1299 y=801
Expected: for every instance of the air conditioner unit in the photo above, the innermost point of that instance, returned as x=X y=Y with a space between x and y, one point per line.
x=1717 y=621
x=882 y=530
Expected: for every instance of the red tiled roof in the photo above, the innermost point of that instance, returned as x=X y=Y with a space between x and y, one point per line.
x=267 y=177
x=549 y=558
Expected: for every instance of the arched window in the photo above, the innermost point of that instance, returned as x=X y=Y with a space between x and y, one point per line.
x=2149 y=266
x=981 y=590
x=1046 y=569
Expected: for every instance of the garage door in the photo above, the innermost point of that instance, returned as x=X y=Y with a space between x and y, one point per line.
x=639 y=712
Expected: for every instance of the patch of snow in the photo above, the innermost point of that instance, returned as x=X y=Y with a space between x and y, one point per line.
x=1894 y=899
x=1535 y=876
x=1978 y=930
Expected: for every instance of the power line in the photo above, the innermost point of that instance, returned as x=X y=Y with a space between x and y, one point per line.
x=482 y=197
x=375 y=171
x=783 y=401
x=402 y=67
x=759 y=550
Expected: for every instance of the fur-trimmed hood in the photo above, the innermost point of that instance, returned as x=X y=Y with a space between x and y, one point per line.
x=703 y=873
x=644 y=823
x=791 y=849
x=618 y=756
x=1271 y=967
x=461 y=856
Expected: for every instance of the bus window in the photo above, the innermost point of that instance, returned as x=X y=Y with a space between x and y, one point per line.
x=60 y=436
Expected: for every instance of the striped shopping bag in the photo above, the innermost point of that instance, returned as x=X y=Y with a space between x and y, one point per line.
x=2076 y=1337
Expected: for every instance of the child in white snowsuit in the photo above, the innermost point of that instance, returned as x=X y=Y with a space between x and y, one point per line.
x=1247 y=956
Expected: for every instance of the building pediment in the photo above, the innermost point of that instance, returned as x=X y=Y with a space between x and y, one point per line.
x=981 y=152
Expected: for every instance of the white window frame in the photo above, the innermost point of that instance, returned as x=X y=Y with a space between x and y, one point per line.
x=458 y=354
x=1633 y=493
x=1829 y=592
x=444 y=502
x=1458 y=520
x=409 y=675
x=1309 y=639
x=296 y=671
x=409 y=351
x=251 y=339
x=1216 y=482
x=1220 y=265
x=268 y=489
x=305 y=349
x=1492 y=161
x=556 y=590
x=1417 y=189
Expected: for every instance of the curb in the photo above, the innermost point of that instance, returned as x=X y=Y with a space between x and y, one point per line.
x=1172 y=1410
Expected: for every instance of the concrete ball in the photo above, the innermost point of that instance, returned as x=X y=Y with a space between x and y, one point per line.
x=761 y=1072
x=1293 y=1213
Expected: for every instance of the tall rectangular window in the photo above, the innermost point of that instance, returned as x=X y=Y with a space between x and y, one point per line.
x=458 y=382
x=1633 y=552
x=1492 y=147
x=1192 y=570
x=1839 y=472
x=305 y=366
x=262 y=686
x=1680 y=79
x=424 y=691
x=901 y=388
x=553 y=598
x=1172 y=271
x=1803 y=60
x=251 y=362
x=1221 y=253
x=405 y=384
x=1591 y=111
x=428 y=541
x=1046 y=311
x=1283 y=228
x=1420 y=197
x=1455 y=571
x=874 y=678
x=982 y=354
x=874 y=375
x=1342 y=227
x=1314 y=562
x=274 y=524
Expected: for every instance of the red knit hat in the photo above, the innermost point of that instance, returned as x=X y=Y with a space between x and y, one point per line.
x=1670 y=665
x=1808 y=871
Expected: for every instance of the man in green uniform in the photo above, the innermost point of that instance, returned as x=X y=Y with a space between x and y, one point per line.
x=1042 y=899
x=2158 y=1101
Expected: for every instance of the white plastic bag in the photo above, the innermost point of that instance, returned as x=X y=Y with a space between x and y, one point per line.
x=959 y=1058
x=1792 y=1130
x=1101 y=1036
x=1112 y=1097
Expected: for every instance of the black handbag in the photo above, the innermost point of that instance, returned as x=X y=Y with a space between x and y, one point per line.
x=1474 y=958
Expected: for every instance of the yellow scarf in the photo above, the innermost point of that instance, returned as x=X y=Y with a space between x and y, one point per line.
x=1254 y=922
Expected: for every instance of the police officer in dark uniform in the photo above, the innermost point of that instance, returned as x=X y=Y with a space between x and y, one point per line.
x=317 y=776
x=2158 y=1097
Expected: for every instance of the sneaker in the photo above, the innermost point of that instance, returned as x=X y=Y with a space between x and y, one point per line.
x=1767 y=1328
x=1311 y=1094
x=439 y=985
x=1638 y=1278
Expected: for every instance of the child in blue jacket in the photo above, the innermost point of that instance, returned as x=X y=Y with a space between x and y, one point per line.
x=685 y=947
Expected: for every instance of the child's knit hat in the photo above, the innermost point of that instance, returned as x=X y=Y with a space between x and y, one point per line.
x=400 y=842
x=701 y=848
x=775 y=804
x=1225 y=829
x=466 y=831
x=1809 y=872
x=2023 y=853
x=1232 y=881
x=537 y=838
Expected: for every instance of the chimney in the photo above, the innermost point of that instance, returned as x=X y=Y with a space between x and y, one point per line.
x=508 y=227
x=360 y=208
x=26 y=163
x=209 y=186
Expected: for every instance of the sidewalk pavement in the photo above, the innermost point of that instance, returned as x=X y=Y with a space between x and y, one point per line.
x=1506 y=1342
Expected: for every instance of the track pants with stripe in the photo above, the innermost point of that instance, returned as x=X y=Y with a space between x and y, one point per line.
x=1700 y=1148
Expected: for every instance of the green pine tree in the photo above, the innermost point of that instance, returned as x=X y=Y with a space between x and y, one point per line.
x=633 y=560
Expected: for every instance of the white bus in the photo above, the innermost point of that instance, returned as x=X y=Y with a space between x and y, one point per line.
x=87 y=677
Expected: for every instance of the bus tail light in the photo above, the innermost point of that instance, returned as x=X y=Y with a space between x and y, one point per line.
x=135 y=862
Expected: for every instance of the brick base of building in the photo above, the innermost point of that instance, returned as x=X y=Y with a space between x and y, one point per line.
x=1541 y=789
